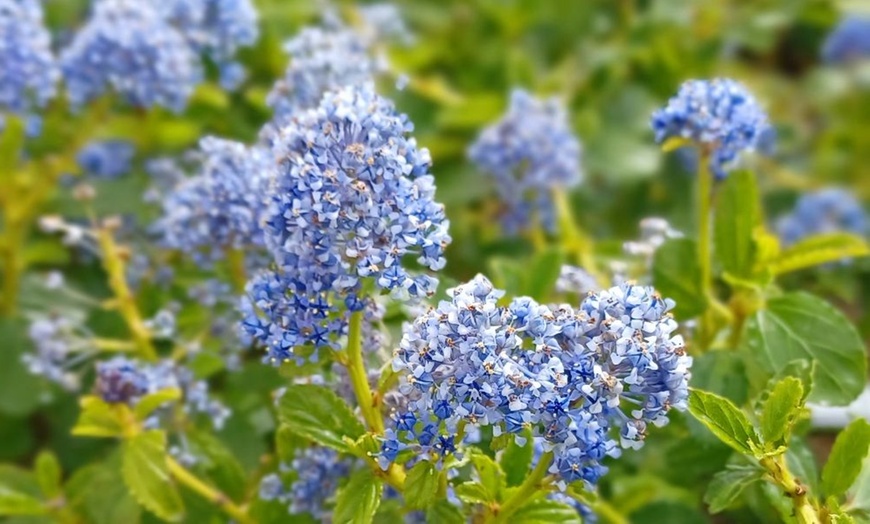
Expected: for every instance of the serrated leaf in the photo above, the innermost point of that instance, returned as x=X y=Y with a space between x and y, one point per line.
x=847 y=456
x=516 y=459
x=421 y=485
x=819 y=249
x=724 y=420
x=473 y=493
x=99 y=419
x=490 y=475
x=780 y=411
x=316 y=413
x=726 y=486
x=676 y=275
x=147 y=476
x=147 y=404
x=738 y=213
x=358 y=501
x=48 y=474
x=442 y=512
x=801 y=326
x=542 y=511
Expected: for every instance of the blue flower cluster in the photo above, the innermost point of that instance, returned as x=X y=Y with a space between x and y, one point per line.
x=575 y=377
x=826 y=211
x=29 y=74
x=106 y=159
x=849 y=41
x=719 y=116
x=318 y=472
x=219 y=208
x=150 y=52
x=351 y=200
x=122 y=380
x=59 y=343
x=530 y=153
x=322 y=59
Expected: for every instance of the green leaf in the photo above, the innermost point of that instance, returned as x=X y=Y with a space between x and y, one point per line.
x=48 y=474
x=97 y=492
x=818 y=250
x=316 y=413
x=99 y=418
x=801 y=326
x=725 y=421
x=780 y=411
x=542 y=274
x=474 y=493
x=516 y=459
x=359 y=499
x=726 y=486
x=147 y=475
x=443 y=512
x=152 y=401
x=16 y=503
x=802 y=463
x=676 y=275
x=489 y=475
x=542 y=511
x=421 y=486
x=218 y=464
x=738 y=213
x=859 y=493
x=847 y=455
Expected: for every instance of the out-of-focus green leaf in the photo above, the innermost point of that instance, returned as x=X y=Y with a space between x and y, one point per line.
x=48 y=474
x=801 y=326
x=147 y=404
x=99 y=419
x=846 y=458
x=818 y=250
x=516 y=459
x=443 y=512
x=97 y=492
x=542 y=511
x=676 y=275
x=738 y=213
x=726 y=486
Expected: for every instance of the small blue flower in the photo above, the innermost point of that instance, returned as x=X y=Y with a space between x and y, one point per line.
x=829 y=210
x=849 y=41
x=720 y=116
x=217 y=28
x=28 y=71
x=106 y=159
x=530 y=153
x=130 y=47
x=120 y=381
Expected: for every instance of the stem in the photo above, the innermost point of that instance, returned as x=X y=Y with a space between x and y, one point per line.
x=705 y=189
x=12 y=266
x=114 y=266
x=238 y=275
x=804 y=511
x=358 y=376
x=527 y=489
x=574 y=238
x=218 y=498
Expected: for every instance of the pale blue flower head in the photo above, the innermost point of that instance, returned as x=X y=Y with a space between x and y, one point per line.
x=830 y=210
x=849 y=41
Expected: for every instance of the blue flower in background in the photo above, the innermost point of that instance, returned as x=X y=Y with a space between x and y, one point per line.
x=826 y=211
x=28 y=71
x=217 y=28
x=530 y=153
x=350 y=199
x=120 y=380
x=849 y=41
x=719 y=116
x=106 y=159
x=129 y=47
x=219 y=208
x=578 y=378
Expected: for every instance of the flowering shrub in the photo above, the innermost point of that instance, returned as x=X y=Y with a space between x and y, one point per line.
x=284 y=261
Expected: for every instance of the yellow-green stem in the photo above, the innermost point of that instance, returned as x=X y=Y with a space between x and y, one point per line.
x=705 y=206
x=218 y=498
x=359 y=377
x=525 y=491
x=126 y=303
x=13 y=266
x=778 y=471
x=574 y=238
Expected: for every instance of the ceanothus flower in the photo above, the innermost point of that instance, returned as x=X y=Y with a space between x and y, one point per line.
x=321 y=60
x=318 y=473
x=350 y=200
x=120 y=381
x=28 y=72
x=573 y=279
x=217 y=28
x=218 y=209
x=719 y=116
x=829 y=210
x=849 y=41
x=577 y=378
x=530 y=153
x=106 y=158
x=128 y=46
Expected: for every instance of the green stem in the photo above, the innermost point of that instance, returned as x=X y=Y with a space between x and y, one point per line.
x=705 y=191
x=218 y=498
x=126 y=303
x=526 y=490
x=13 y=265
x=574 y=238
x=804 y=511
x=358 y=377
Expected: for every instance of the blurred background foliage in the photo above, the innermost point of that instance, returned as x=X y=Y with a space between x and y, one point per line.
x=613 y=62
